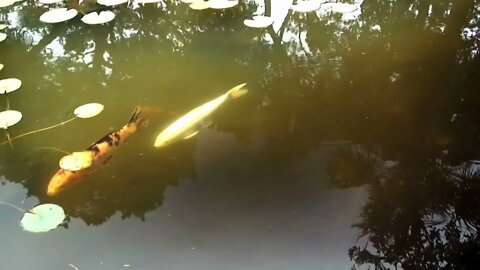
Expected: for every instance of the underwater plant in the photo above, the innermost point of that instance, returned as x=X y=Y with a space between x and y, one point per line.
x=84 y=111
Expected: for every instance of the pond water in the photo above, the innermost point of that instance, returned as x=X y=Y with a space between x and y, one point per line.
x=357 y=144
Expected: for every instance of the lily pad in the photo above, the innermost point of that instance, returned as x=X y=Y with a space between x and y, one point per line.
x=3 y=36
x=9 y=118
x=9 y=85
x=88 y=110
x=76 y=161
x=6 y=3
x=43 y=218
x=221 y=4
x=3 y=26
x=98 y=18
x=258 y=22
x=58 y=15
x=306 y=5
x=111 y=2
x=199 y=5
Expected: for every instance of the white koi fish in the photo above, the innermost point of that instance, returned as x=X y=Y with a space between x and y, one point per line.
x=187 y=126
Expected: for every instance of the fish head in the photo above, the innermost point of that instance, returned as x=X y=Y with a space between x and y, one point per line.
x=161 y=141
x=165 y=138
x=61 y=181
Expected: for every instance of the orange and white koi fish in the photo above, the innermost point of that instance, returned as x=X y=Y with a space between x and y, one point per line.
x=101 y=151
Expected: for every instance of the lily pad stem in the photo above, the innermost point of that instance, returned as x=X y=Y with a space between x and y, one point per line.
x=13 y=206
x=38 y=130
x=8 y=103
x=54 y=149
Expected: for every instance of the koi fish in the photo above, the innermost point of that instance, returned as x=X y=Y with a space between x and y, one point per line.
x=187 y=126
x=101 y=151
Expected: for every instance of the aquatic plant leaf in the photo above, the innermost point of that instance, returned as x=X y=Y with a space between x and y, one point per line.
x=258 y=22
x=98 y=18
x=76 y=161
x=306 y=5
x=47 y=2
x=1 y=66
x=3 y=26
x=199 y=5
x=9 y=118
x=6 y=3
x=3 y=36
x=221 y=4
x=88 y=110
x=58 y=15
x=9 y=85
x=43 y=218
x=111 y=2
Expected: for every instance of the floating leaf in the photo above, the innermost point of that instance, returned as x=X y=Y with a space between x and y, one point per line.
x=1 y=66
x=3 y=26
x=58 y=15
x=199 y=5
x=43 y=218
x=9 y=85
x=47 y=2
x=221 y=4
x=98 y=18
x=88 y=110
x=3 y=36
x=258 y=22
x=6 y=3
x=76 y=161
x=9 y=118
x=111 y=2
x=306 y=5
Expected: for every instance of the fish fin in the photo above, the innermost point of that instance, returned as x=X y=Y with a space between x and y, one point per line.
x=137 y=118
x=206 y=123
x=190 y=135
x=237 y=91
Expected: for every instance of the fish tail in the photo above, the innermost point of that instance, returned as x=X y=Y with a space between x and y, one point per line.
x=137 y=118
x=237 y=91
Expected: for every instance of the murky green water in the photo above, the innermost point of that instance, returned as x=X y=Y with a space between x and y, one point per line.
x=356 y=145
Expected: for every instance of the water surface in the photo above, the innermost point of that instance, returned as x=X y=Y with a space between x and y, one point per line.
x=355 y=146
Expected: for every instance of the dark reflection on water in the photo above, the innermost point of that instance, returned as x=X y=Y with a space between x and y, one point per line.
x=389 y=99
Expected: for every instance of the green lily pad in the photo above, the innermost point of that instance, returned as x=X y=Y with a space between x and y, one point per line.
x=88 y=110
x=9 y=118
x=76 y=161
x=9 y=85
x=6 y=3
x=199 y=5
x=43 y=218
